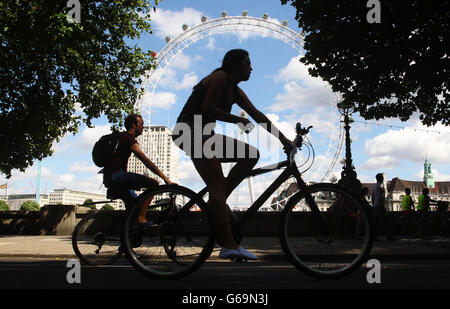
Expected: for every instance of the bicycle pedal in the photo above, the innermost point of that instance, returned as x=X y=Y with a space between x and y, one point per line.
x=148 y=226
x=239 y=260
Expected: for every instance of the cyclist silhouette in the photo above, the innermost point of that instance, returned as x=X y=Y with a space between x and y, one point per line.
x=118 y=180
x=211 y=100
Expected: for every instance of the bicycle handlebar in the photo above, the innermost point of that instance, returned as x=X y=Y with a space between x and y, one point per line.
x=298 y=141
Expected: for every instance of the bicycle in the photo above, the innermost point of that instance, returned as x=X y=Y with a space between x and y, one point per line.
x=182 y=237
x=433 y=222
x=96 y=238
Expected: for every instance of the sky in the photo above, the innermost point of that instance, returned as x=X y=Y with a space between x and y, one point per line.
x=280 y=87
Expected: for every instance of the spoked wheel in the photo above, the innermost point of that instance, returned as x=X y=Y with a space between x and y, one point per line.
x=96 y=238
x=179 y=238
x=330 y=243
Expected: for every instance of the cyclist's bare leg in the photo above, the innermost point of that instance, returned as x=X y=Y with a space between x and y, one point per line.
x=238 y=173
x=245 y=156
x=211 y=172
x=152 y=183
x=143 y=210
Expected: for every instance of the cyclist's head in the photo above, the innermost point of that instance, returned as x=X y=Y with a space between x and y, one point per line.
x=133 y=119
x=425 y=191
x=237 y=61
x=408 y=191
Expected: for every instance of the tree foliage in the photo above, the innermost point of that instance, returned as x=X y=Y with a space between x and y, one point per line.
x=56 y=74
x=389 y=69
x=3 y=206
x=107 y=207
x=87 y=203
x=29 y=206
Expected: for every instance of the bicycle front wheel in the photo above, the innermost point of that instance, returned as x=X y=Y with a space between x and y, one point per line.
x=96 y=238
x=326 y=231
x=179 y=237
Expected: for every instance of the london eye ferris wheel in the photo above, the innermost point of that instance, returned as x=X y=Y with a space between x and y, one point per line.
x=263 y=26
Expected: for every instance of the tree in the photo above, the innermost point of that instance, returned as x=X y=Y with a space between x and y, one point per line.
x=87 y=203
x=3 y=206
x=388 y=69
x=107 y=207
x=29 y=206
x=57 y=74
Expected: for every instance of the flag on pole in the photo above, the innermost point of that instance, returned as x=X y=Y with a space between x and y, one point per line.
x=4 y=186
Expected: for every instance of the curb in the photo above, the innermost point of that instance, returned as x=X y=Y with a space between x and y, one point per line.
x=261 y=257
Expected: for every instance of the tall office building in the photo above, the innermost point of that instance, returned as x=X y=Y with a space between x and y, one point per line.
x=157 y=144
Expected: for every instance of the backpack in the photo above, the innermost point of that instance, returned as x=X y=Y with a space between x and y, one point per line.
x=105 y=148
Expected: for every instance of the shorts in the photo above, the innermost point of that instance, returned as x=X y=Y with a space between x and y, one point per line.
x=123 y=184
x=198 y=145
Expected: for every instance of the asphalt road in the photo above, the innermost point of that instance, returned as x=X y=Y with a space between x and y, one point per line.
x=268 y=275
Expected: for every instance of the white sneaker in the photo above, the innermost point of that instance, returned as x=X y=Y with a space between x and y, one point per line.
x=239 y=253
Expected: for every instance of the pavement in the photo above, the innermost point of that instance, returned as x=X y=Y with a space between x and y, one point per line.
x=266 y=248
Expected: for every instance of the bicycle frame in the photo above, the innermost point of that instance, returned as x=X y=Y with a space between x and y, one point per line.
x=291 y=170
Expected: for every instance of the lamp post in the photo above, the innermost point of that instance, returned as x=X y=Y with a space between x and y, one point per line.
x=348 y=175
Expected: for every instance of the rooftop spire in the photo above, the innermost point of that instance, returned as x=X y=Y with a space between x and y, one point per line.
x=428 y=178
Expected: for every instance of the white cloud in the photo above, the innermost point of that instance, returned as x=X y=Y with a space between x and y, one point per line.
x=295 y=70
x=301 y=90
x=188 y=175
x=164 y=100
x=82 y=141
x=174 y=76
x=62 y=146
x=412 y=144
x=284 y=126
x=211 y=44
x=380 y=163
x=364 y=178
x=25 y=182
x=64 y=180
x=438 y=176
x=245 y=32
x=182 y=62
x=89 y=136
x=83 y=167
x=189 y=80
x=90 y=184
x=397 y=147
x=169 y=23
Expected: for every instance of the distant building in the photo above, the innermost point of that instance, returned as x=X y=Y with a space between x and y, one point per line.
x=62 y=196
x=395 y=190
x=440 y=190
x=278 y=203
x=72 y=197
x=14 y=201
x=157 y=144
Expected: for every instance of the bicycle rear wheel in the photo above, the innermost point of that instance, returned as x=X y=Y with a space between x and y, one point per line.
x=331 y=243
x=96 y=238
x=180 y=238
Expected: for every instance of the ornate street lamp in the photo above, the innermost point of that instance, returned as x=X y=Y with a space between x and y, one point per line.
x=348 y=175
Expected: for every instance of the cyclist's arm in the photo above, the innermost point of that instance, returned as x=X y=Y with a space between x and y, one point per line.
x=245 y=103
x=136 y=149
x=216 y=87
